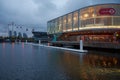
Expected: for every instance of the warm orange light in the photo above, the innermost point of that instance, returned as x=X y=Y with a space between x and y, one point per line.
x=93 y=15
x=12 y=45
x=81 y=17
x=22 y=45
x=74 y=18
x=64 y=21
x=3 y=45
x=86 y=15
x=69 y=20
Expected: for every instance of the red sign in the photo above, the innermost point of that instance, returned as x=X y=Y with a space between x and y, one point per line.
x=107 y=11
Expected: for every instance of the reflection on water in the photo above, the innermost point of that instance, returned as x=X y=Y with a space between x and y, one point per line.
x=27 y=62
x=91 y=66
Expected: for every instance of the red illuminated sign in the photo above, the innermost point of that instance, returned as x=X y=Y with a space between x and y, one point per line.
x=107 y=11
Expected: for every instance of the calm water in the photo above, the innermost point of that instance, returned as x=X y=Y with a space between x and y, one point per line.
x=27 y=62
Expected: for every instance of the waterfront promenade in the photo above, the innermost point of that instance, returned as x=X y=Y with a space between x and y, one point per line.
x=106 y=45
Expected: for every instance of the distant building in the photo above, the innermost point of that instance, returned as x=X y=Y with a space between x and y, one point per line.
x=39 y=34
x=20 y=31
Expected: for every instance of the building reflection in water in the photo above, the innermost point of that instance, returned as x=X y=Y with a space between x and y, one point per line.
x=88 y=66
x=23 y=45
x=43 y=63
x=13 y=44
x=3 y=50
x=3 y=45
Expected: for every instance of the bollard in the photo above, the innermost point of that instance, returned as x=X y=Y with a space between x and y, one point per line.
x=48 y=44
x=19 y=41
x=26 y=41
x=15 y=41
x=81 y=45
x=39 y=42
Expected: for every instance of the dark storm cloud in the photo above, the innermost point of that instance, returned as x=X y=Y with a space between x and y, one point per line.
x=26 y=11
x=77 y=4
x=38 y=12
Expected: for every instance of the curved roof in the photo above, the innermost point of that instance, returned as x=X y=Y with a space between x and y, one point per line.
x=84 y=3
x=95 y=4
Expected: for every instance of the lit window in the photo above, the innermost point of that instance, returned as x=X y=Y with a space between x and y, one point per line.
x=74 y=18
x=64 y=21
x=86 y=15
x=69 y=20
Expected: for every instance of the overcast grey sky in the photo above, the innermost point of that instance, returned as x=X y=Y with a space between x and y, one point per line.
x=39 y=11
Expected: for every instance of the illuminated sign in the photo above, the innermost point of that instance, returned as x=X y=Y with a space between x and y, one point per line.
x=107 y=11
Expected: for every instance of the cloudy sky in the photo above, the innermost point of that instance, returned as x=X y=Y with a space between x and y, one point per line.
x=38 y=12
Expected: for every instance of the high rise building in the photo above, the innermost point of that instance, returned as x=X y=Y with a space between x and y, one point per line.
x=19 y=30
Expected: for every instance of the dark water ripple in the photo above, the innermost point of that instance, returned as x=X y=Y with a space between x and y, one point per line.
x=27 y=62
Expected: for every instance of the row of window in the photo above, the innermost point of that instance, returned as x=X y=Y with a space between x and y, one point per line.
x=86 y=18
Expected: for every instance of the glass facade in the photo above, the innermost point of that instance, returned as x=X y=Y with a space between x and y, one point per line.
x=75 y=20
x=64 y=23
x=53 y=27
x=92 y=17
x=69 y=22
x=56 y=26
x=60 y=24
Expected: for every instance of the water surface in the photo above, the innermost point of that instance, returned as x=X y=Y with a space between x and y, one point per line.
x=27 y=62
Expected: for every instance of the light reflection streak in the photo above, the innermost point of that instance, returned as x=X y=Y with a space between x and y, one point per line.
x=3 y=45
x=22 y=44
x=13 y=44
x=12 y=52
x=88 y=66
x=3 y=50
x=48 y=44
x=23 y=49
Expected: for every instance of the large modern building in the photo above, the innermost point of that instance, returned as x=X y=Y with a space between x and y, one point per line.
x=93 y=23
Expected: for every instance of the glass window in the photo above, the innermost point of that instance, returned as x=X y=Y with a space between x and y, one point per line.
x=64 y=23
x=87 y=17
x=75 y=20
x=117 y=9
x=69 y=22
x=56 y=26
x=48 y=27
x=116 y=21
x=79 y=19
x=60 y=24
x=53 y=27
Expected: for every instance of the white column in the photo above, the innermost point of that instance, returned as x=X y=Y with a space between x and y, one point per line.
x=15 y=41
x=26 y=41
x=39 y=42
x=19 y=41
x=81 y=45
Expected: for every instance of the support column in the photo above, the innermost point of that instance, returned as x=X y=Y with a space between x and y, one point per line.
x=39 y=41
x=72 y=20
x=26 y=41
x=81 y=45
